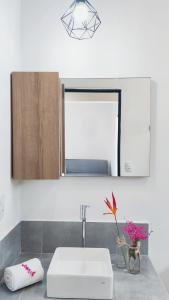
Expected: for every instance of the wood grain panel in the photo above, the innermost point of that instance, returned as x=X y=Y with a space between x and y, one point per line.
x=36 y=125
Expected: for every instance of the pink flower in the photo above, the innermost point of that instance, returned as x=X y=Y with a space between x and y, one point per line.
x=135 y=232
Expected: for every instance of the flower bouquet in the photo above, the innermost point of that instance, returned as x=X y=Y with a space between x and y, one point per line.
x=130 y=253
x=136 y=234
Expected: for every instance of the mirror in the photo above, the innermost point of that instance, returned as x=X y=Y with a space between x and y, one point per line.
x=107 y=127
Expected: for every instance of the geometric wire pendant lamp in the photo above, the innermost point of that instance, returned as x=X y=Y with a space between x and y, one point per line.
x=81 y=20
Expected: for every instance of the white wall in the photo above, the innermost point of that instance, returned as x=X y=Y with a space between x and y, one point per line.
x=132 y=41
x=9 y=61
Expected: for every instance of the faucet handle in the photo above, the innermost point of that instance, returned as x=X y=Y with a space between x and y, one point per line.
x=83 y=209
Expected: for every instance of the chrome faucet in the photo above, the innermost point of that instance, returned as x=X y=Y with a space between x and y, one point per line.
x=83 y=209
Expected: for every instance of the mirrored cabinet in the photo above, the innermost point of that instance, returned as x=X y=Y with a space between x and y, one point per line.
x=79 y=127
x=107 y=127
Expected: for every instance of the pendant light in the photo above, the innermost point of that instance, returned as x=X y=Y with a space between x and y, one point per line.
x=81 y=20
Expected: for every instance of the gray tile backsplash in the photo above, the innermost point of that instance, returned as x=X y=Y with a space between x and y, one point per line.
x=44 y=237
x=100 y=235
x=10 y=248
x=60 y=234
x=31 y=236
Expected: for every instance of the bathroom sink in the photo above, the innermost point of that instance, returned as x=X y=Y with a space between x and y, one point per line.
x=80 y=273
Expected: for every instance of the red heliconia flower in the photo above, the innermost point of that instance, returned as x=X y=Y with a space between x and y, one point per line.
x=112 y=207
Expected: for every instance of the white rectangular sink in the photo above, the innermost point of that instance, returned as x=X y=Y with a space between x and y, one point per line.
x=80 y=273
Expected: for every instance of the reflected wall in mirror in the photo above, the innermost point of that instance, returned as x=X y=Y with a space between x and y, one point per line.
x=107 y=127
x=92 y=132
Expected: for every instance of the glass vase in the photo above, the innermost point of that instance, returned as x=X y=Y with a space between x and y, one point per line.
x=134 y=258
x=121 y=253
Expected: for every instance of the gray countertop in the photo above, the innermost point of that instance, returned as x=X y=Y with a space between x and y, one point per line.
x=144 y=286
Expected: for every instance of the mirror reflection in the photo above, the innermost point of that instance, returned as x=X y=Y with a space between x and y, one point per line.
x=92 y=132
x=107 y=127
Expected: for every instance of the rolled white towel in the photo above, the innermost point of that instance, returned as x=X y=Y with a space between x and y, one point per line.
x=22 y=275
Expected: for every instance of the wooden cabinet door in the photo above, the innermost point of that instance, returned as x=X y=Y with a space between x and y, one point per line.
x=36 y=125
